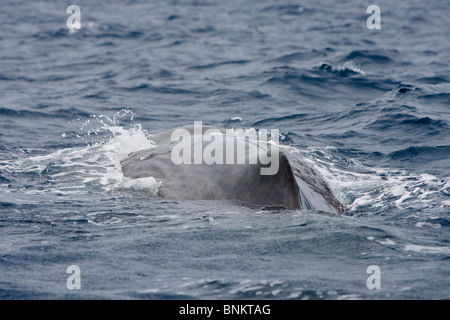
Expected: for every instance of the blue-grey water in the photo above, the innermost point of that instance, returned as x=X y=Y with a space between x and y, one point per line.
x=369 y=109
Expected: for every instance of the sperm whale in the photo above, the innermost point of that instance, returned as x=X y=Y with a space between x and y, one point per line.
x=295 y=185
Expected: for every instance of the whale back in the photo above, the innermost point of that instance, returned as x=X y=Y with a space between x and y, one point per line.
x=292 y=187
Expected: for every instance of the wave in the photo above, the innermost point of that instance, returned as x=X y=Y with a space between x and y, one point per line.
x=345 y=69
x=434 y=80
x=96 y=30
x=428 y=249
x=161 y=89
x=403 y=121
x=65 y=113
x=366 y=55
x=219 y=64
x=367 y=189
x=421 y=153
x=288 y=9
x=442 y=97
x=345 y=82
x=274 y=120
x=302 y=55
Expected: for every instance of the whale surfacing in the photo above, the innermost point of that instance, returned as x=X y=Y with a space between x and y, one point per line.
x=295 y=185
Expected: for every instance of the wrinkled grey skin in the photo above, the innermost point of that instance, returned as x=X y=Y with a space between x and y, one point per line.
x=295 y=186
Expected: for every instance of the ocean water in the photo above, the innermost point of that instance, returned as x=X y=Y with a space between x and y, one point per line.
x=369 y=109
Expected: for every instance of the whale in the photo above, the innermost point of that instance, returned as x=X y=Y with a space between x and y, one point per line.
x=295 y=185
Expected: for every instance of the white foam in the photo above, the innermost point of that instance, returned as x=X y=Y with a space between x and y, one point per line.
x=446 y=203
x=149 y=184
x=386 y=242
x=426 y=249
x=350 y=65
x=97 y=164
x=422 y=224
x=358 y=186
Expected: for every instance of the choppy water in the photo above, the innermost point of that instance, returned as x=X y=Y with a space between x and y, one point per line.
x=369 y=109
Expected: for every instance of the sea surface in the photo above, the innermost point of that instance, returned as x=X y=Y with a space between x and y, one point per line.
x=368 y=108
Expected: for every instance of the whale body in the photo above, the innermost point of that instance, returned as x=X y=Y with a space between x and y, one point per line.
x=294 y=186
